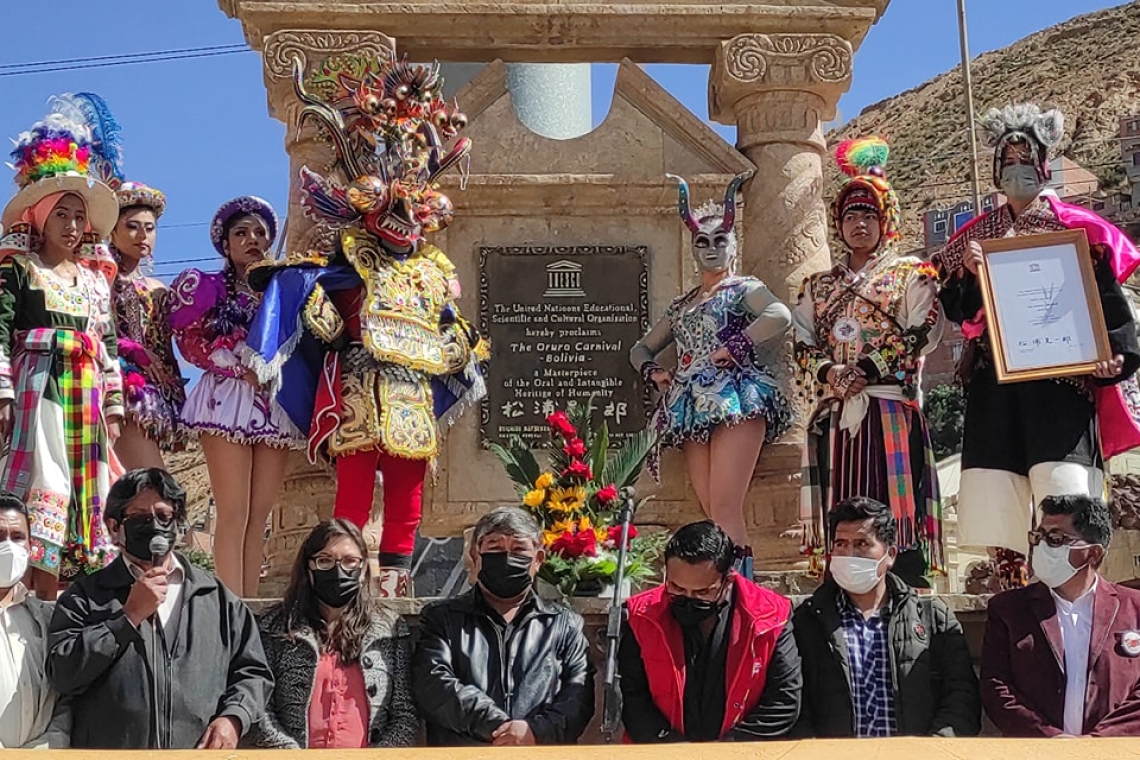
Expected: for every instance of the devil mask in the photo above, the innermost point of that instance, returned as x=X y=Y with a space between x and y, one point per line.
x=712 y=226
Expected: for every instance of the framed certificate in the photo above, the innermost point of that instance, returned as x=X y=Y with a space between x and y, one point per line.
x=1042 y=306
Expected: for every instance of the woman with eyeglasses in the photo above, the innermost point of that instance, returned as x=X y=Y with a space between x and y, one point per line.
x=341 y=662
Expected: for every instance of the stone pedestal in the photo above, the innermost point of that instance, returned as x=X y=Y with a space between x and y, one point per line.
x=778 y=71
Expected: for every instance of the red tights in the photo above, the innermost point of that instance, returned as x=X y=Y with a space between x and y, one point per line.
x=403 y=496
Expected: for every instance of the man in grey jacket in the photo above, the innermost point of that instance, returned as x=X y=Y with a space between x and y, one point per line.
x=154 y=652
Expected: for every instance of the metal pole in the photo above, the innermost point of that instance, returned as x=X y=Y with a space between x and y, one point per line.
x=968 y=86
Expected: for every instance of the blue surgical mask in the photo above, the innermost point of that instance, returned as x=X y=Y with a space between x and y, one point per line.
x=1021 y=182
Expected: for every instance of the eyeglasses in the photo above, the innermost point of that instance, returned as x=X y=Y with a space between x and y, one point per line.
x=162 y=521
x=1056 y=539
x=347 y=564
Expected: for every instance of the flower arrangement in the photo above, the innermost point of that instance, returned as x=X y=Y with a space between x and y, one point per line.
x=576 y=499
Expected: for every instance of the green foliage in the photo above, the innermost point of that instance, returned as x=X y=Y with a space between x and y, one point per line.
x=198 y=558
x=945 y=409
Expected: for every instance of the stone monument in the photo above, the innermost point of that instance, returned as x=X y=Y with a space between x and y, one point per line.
x=777 y=71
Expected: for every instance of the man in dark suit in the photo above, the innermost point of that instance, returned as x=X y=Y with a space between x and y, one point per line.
x=1061 y=657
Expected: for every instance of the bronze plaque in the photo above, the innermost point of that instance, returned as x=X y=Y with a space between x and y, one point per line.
x=561 y=322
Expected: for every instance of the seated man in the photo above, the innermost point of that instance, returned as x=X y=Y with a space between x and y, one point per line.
x=155 y=652
x=499 y=665
x=1061 y=657
x=31 y=715
x=709 y=655
x=880 y=660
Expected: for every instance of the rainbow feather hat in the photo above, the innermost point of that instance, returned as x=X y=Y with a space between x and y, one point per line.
x=864 y=161
x=55 y=155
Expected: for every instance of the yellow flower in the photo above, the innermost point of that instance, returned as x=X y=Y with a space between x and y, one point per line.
x=545 y=480
x=562 y=526
x=535 y=498
x=567 y=500
x=555 y=532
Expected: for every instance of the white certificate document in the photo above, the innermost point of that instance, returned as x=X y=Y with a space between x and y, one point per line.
x=1042 y=307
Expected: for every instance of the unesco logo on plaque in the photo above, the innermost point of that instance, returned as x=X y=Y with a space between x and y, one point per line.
x=561 y=322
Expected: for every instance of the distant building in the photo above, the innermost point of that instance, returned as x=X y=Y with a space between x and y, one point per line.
x=939 y=225
x=1129 y=135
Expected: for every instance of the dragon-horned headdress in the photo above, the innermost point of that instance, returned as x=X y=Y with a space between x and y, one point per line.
x=390 y=126
x=1023 y=123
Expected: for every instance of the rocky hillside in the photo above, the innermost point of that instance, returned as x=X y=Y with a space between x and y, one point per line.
x=1089 y=67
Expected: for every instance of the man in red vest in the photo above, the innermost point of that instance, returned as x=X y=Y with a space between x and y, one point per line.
x=708 y=655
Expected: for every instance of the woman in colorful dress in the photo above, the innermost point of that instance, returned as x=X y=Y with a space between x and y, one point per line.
x=720 y=404
x=60 y=387
x=244 y=432
x=152 y=381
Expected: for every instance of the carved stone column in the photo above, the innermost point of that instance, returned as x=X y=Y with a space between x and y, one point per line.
x=308 y=493
x=778 y=89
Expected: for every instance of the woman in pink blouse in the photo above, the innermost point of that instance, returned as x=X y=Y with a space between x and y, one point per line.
x=244 y=432
x=341 y=663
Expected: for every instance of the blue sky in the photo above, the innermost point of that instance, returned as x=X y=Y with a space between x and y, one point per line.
x=198 y=128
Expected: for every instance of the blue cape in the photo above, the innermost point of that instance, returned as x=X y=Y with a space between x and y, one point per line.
x=291 y=358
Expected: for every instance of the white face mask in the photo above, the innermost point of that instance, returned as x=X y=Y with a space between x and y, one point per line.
x=1020 y=182
x=856 y=575
x=1051 y=565
x=13 y=563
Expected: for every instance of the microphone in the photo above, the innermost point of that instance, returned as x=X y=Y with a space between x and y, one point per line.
x=159 y=548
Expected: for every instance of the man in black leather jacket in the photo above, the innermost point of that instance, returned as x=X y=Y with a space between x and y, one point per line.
x=499 y=665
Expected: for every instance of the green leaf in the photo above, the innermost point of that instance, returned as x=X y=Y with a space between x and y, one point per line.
x=580 y=415
x=528 y=464
x=598 y=452
x=625 y=465
x=514 y=471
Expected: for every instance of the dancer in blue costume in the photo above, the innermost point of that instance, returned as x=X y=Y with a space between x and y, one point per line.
x=720 y=404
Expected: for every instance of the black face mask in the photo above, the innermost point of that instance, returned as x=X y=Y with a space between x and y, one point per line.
x=336 y=586
x=138 y=533
x=691 y=612
x=505 y=576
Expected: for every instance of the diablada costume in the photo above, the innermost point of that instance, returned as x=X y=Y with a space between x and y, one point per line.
x=1027 y=440
x=58 y=363
x=364 y=342
x=881 y=319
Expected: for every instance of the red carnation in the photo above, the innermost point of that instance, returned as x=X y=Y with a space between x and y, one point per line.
x=613 y=535
x=575 y=447
x=574 y=545
x=608 y=494
x=578 y=469
x=561 y=424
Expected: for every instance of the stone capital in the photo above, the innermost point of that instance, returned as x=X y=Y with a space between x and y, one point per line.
x=779 y=87
x=311 y=46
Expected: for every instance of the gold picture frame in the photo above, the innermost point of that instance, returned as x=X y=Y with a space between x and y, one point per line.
x=1042 y=323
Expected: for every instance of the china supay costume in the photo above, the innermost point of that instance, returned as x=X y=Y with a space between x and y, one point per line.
x=740 y=314
x=881 y=319
x=1027 y=440
x=58 y=362
x=363 y=343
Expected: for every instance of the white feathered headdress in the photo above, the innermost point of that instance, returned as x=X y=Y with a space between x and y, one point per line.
x=1023 y=122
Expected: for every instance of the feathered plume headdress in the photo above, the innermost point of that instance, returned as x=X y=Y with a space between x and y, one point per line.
x=1023 y=123
x=864 y=161
x=57 y=155
x=92 y=111
x=57 y=145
